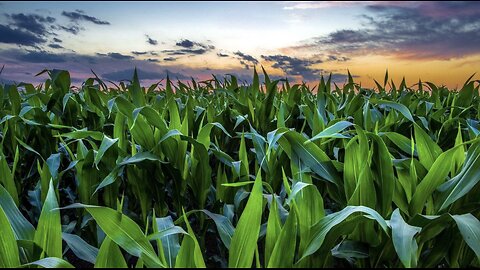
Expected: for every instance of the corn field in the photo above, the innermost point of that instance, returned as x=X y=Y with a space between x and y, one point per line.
x=220 y=173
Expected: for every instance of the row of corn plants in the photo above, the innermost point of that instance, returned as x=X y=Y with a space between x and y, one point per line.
x=220 y=173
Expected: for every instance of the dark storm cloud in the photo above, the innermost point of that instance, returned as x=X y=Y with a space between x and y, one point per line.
x=151 y=41
x=79 y=15
x=143 y=75
x=31 y=22
x=294 y=66
x=429 y=30
x=57 y=40
x=42 y=57
x=18 y=36
x=117 y=56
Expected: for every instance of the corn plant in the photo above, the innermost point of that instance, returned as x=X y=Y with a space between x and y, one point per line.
x=220 y=173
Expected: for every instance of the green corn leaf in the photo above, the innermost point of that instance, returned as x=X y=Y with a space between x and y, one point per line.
x=469 y=227
x=21 y=227
x=53 y=163
x=321 y=228
x=80 y=248
x=428 y=150
x=244 y=240
x=397 y=106
x=6 y=178
x=403 y=240
x=50 y=262
x=170 y=243
x=123 y=231
x=110 y=255
x=9 y=256
x=190 y=254
x=311 y=155
x=49 y=229
x=332 y=131
x=286 y=242
x=104 y=146
x=462 y=183
x=273 y=229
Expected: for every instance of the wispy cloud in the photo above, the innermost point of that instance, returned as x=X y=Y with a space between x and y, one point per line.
x=117 y=56
x=79 y=15
x=139 y=53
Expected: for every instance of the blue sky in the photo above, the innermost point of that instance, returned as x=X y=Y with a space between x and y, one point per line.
x=435 y=41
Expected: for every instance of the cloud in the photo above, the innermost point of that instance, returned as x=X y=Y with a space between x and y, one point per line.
x=31 y=22
x=330 y=4
x=169 y=59
x=336 y=58
x=246 y=59
x=222 y=54
x=18 y=36
x=428 y=30
x=57 y=40
x=138 y=53
x=127 y=74
x=151 y=41
x=42 y=57
x=55 y=46
x=117 y=56
x=294 y=66
x=189 y=47
x=185 y=43
x=153 y=60
x=73 y=29
x=79 y=15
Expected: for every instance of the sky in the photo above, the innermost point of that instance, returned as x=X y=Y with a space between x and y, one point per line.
x=432 y=41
